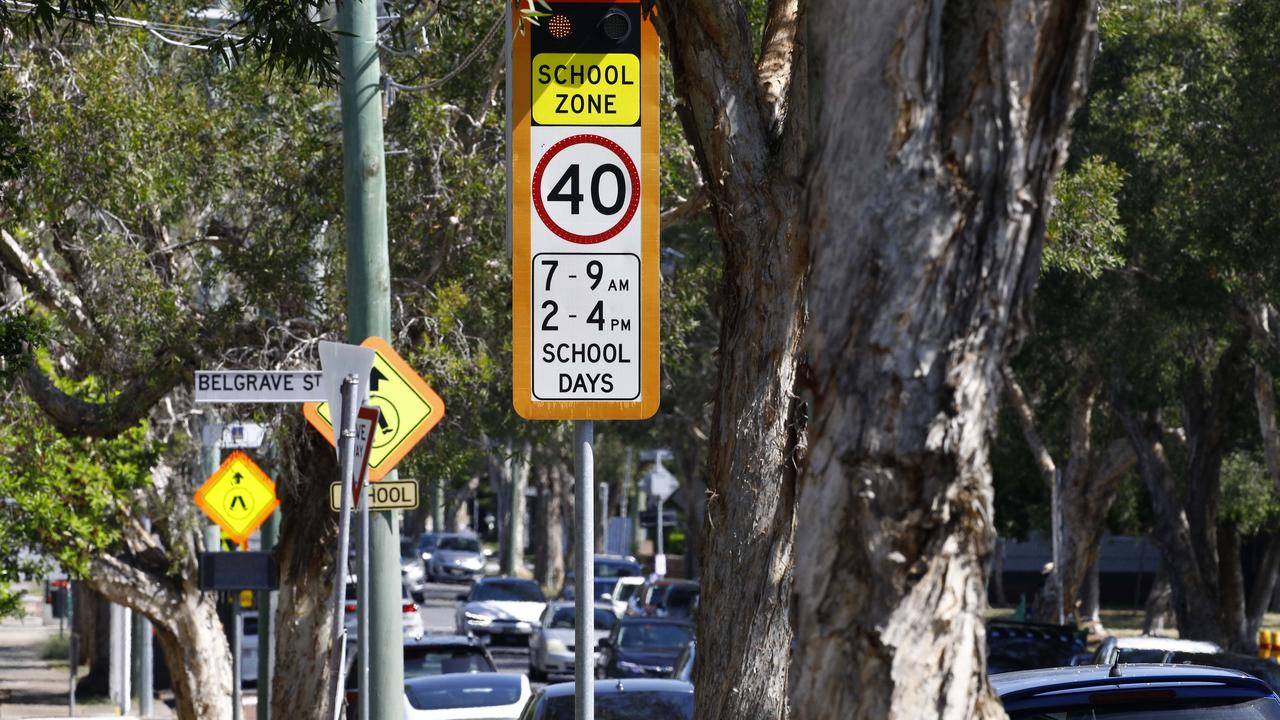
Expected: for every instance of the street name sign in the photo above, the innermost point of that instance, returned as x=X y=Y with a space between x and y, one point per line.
x=238 y=496
x=383 y=495
x=408 y=409
x=584 y=204
x=258 y=386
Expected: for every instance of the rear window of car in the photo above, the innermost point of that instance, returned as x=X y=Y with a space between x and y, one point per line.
x=627 y=706
x=421 y=662
x=640 y=635
x=563 y=619
x=1209 y=709
x=494 y=690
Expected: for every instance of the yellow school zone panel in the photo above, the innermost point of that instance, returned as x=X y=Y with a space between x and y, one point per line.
x=238 y=496
x=586 y=89
x=407 y=409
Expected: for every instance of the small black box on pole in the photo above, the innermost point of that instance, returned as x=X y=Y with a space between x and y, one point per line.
x=238 y=571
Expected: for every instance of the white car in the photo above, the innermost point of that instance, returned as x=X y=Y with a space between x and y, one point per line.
x=623 y=590
x=551 y=648
x=501 y=606
x=466 y=696
x=411 y=619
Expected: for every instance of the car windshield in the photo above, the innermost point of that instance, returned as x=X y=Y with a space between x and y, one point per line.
x=626 y=592
x=420 y=662
x=509 y=591
x=628 y=706
x=1209 y=709
x=562 y=619
x=643 y=635
x=492 y=690
x=459 y=544
x=681 y=600
x=427 y=542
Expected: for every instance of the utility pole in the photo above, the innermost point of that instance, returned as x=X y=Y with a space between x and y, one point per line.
x=369 y=313
x=266 y=626
x=437 y=505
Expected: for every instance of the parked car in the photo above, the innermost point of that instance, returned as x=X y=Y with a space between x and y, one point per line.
x=428 y=656
x=1148 y=649
x=1026 y=646
x=641 y=647
x=633 y=700
x=413 y=572
x=1135 y=692
x=427 y=545
x=501 y=606
x=668 y=598
x=490 y=696
x=551 y=647
x=684 y=664
x=606 y=568
x=624 y=588
x=411 y=618
x=456 y=557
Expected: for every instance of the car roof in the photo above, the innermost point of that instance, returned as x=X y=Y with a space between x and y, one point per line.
x=505 y=580
x=1030 y=683
x=646 y=620
x=430 y=640
x=465 y=680
x=617 y=687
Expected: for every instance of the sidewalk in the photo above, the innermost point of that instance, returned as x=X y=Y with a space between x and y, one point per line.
x=31 y=687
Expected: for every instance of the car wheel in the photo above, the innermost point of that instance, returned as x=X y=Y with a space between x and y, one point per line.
x=536 y=675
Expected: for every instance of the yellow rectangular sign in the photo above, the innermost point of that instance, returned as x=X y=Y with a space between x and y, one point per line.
x=586 y=89
x=383 y=495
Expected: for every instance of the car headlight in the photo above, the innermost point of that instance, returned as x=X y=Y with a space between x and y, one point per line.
x=475 y=563
x=426 y=556
x=477 y=618
x=556 y=646
x=630 y=666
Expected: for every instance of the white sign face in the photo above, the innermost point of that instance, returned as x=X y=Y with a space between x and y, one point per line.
x=234 y=435
x=384 y=495
x=337 y=361
x=258 y=386
x=661 y=483
x=585 y=250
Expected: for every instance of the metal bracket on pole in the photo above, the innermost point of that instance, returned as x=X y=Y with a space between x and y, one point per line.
x=346 y=453
x=584 y=663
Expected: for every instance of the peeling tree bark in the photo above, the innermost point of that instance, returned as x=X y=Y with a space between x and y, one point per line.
x=938 y=129
x=750 y=147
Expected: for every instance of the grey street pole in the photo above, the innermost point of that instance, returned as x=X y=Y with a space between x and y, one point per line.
x=369 y=313
x=266 y=624
x=437 y=505
x=346 y=449
x=602 y=533
x=584 y=633
x=362 y=617
x=237 y=660
x=72 y=654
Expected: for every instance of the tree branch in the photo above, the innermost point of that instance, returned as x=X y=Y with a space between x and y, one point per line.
x=1027 y=421
x=688 y=209
x=77 y=418
x=44 y=284
x=124 y=584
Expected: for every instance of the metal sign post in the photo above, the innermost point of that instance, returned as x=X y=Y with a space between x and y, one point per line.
x=584 y=631
x=362 y=601
x=346 y=453
x=237 y=663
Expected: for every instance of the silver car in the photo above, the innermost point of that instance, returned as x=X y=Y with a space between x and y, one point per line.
x=456 y=557
x=551 y=647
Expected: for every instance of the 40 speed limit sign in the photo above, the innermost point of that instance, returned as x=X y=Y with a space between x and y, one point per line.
x=584 y=204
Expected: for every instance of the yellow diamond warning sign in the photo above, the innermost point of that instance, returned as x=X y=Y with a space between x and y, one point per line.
x=238 y=496
x=586 y=89
x=408 y=409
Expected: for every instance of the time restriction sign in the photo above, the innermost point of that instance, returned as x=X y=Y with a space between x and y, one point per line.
x=584 y=200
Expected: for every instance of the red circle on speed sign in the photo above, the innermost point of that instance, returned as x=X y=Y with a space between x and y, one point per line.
x=627 y=164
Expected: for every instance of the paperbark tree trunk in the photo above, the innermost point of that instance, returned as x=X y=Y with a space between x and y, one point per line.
x=1159 y=603
x=938 y=130
x=549 y=532
x=736 y=108
x=306 y=556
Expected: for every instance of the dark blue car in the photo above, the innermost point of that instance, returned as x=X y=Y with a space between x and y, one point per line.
x=644 y=647
x=1135 y=692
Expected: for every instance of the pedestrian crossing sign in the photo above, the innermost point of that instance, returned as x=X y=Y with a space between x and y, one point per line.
x=238 y=496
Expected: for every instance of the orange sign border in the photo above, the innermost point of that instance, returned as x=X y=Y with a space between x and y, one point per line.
x=521 y=270
x=406 y=371
x=240 y=539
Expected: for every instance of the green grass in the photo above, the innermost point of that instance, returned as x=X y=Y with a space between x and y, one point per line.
x=56 y=648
